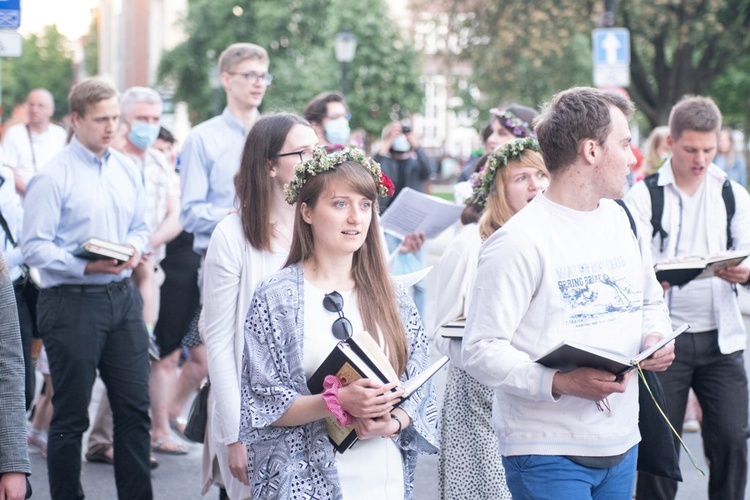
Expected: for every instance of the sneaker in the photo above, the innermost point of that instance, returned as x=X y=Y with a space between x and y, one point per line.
x=691 y=425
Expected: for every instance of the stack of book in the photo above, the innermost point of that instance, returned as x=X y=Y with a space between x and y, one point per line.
x=355 y=358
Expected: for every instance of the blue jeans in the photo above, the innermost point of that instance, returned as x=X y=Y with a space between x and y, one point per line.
x=555 y=477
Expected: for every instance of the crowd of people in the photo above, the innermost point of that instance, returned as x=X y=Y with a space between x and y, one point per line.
x=267 y=226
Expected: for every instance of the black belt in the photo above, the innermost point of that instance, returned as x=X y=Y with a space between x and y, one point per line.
x=114 y=286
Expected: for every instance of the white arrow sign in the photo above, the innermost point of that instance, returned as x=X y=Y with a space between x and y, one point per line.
x=611 y=45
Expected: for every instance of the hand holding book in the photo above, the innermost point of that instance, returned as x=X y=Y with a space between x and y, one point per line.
x=367 y=398
x=662 y=358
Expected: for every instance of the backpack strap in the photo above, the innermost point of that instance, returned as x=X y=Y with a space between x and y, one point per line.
x=630 y=216
x=728 y=196
x=656 y=192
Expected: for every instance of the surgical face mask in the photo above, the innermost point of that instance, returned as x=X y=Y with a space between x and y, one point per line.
x=401 y=144
x=143 y=135
x=338 y=131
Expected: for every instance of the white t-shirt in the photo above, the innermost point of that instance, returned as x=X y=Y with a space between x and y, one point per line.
x=693 y=303
x=371 y=468
x=17 y=148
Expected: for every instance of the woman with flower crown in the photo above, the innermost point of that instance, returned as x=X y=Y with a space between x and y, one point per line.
x=245 y=248
x=470 y=465
x=336 y=282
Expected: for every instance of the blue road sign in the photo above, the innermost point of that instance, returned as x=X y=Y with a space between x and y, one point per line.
x=611 y=46
x=10 y=14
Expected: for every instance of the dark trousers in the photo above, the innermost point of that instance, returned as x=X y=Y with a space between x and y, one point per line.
x=84 y=328
x=720 y=383
x=26 y=323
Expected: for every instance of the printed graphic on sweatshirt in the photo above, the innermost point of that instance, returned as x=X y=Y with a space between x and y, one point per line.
x=595 y=292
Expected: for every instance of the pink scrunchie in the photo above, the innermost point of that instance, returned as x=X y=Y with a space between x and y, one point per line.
x=332 y=384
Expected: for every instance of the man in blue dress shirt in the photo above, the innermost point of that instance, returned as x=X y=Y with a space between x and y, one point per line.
x=211 y=154
x=89 y=313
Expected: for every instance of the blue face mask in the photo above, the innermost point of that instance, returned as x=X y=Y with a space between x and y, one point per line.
x=338 y=131
x=143 y=135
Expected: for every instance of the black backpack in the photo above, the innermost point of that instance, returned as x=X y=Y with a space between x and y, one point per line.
x=657 y=208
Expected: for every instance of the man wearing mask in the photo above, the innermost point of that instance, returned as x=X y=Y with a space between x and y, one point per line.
x=27 y=147
x=403 y=160
x=329 y=116
x=140 y=113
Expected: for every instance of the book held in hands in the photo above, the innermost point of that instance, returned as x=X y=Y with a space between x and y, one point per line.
x=97 y=249
x=569 y=355
x=356 y=358
x=454 y=329
x=681 y=270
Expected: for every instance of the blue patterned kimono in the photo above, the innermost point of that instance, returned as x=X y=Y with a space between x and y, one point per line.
x=298 y=462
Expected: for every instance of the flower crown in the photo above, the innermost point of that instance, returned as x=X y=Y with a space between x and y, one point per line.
x=323 y=161
x=518 y=127
x=483 y=182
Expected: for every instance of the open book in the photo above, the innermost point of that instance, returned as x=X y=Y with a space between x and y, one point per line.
x=454 y=329
x=414 y=211
x=681 y=270
x=567 y=356
x=96 y=249
x=355 y=358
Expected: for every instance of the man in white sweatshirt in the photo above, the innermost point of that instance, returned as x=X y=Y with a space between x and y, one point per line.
x=568 y=267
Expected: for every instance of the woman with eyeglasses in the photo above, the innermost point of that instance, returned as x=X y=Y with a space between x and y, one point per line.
x=245 y=248
x=470 y=464
x=336 y=282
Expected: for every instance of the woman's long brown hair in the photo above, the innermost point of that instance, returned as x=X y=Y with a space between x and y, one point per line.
x=375 y=291
x=253 y=184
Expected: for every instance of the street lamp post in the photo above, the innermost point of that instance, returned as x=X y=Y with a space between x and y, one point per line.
x=344 y=45
x=214 y=81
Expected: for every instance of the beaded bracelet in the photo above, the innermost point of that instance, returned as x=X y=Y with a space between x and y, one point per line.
x=332 y=384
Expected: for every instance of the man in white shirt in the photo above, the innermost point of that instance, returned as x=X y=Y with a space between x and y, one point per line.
x=568 y=267
x=28 y=147
x=710 y=356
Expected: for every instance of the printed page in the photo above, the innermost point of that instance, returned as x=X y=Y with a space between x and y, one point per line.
x=414 y=211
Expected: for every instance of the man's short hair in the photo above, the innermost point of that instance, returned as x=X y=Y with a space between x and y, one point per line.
x=694 y=112
x=575 y=115
x=166 y=136
x=317 y=108
x=137 y=95
x=88 y=92
x=239 y=52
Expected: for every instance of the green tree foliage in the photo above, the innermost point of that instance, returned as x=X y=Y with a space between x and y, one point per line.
x=46 y=62
x=383 y=79
x=524 y=50
x=91 y=48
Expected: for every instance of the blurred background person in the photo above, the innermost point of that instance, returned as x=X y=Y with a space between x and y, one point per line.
x=27 y=147
x=329 y=116
x=728 y=159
